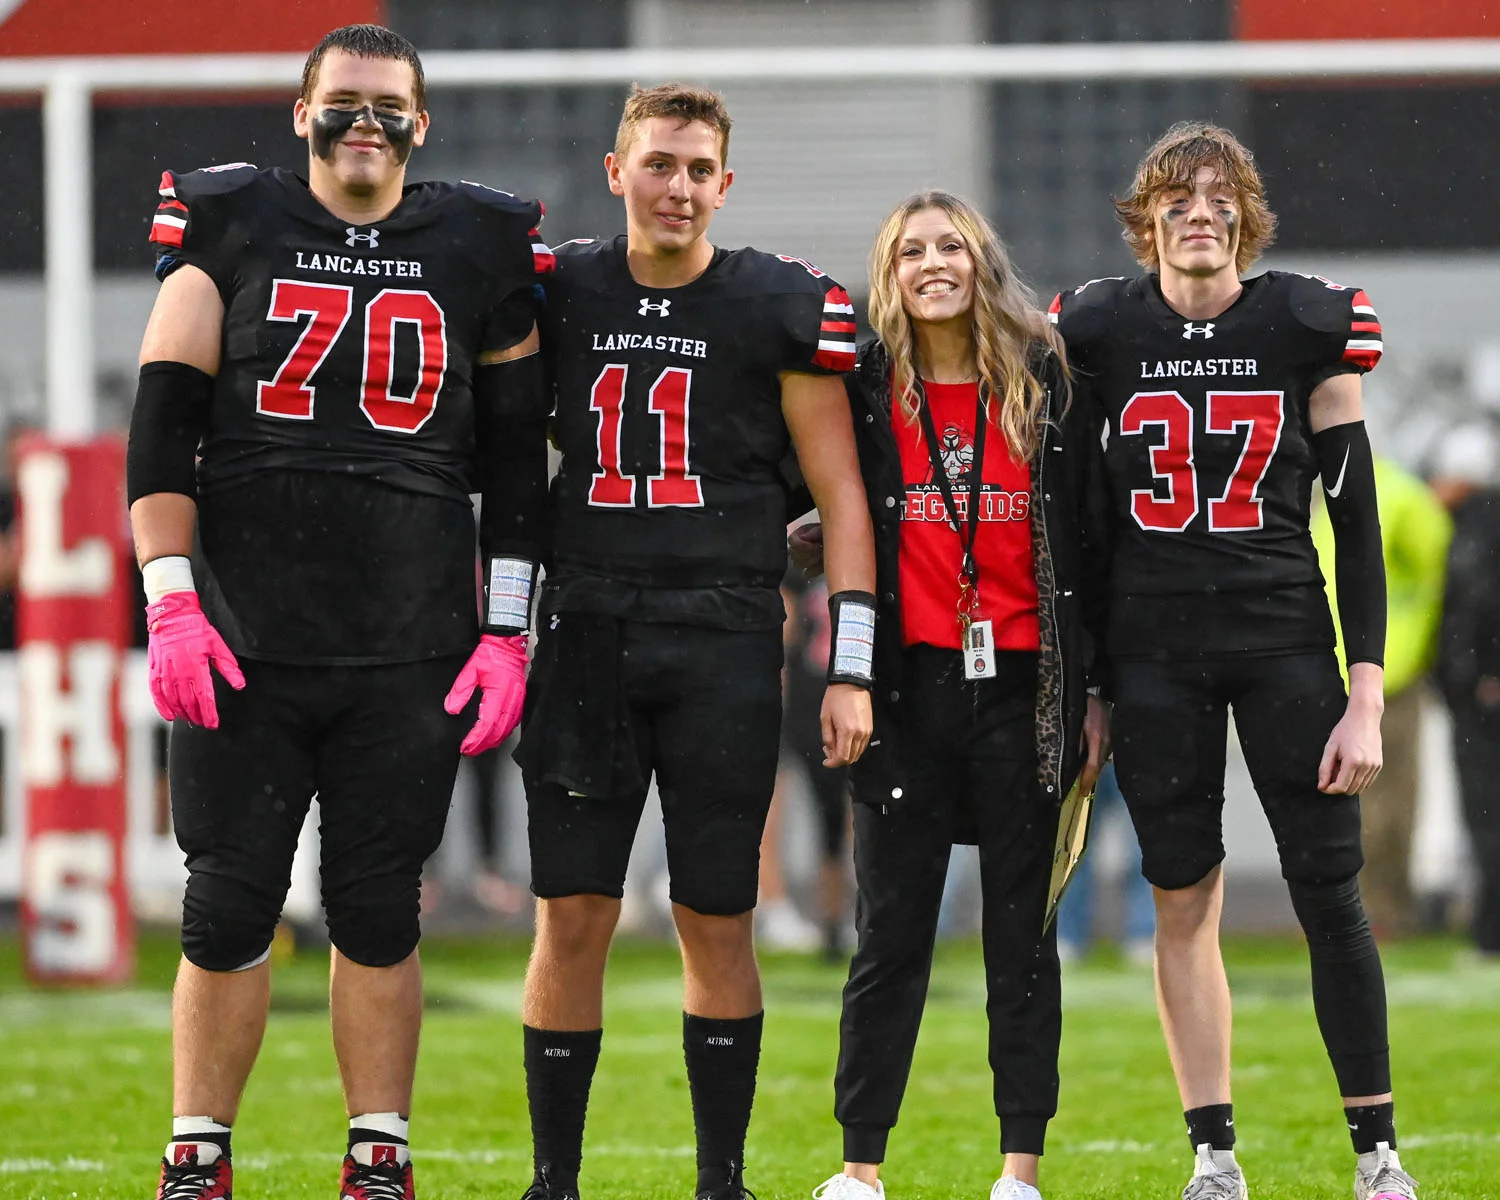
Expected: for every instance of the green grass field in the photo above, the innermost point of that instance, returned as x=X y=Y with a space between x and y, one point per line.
x=85 y=1098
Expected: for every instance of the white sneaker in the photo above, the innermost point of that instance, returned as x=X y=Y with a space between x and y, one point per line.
x=1378 y=1176
x=1008 y=1187
x=846 y=1187
x=779 y=926
x=1216 y=1176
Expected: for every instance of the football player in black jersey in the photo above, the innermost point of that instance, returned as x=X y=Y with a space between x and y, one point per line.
x=333 y=351
x=1221 y=400
x=683 y=375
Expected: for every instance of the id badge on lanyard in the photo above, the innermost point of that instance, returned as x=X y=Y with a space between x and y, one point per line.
x=976 y=634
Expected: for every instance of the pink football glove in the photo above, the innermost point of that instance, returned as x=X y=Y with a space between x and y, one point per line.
x=182 y=645
x=498 y=668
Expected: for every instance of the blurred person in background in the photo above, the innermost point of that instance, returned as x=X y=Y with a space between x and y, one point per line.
x=327 y=519
x=1414 y=535
x=683 y=375
x=1466 y=476
x=779 y=925
x=1222 y=399
x=976 y=472
x=1078 y=916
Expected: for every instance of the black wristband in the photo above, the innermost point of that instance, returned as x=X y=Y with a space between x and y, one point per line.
x=851 y=652
x=172 y=401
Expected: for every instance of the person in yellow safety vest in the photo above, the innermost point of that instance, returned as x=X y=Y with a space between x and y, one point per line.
x=1415 y=532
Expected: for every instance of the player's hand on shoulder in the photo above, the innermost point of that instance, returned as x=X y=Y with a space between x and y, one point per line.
x=848 y=721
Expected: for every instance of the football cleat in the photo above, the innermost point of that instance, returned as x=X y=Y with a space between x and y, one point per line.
x=195 y=1171
x=377 y=1171
x=846 y=1187
x=1378 y=1176
x=1008 y=1187
x=1216 y=1176
x=733 y=1188
x=542 y=1188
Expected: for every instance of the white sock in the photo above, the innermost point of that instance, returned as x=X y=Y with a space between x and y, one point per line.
x=185 y=1127
x=393 y=1125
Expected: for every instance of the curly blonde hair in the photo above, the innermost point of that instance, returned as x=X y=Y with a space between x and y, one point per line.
x=1174 y=162
x=1006 y=320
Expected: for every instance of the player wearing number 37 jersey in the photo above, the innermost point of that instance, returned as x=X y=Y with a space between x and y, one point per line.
x=348 y=358
x=1220 y=400
x=683 y=376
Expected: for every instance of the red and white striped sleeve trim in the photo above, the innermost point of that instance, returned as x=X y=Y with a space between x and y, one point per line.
x=170 y=221
x=1365 y=344
x=836 y=333
x=543 y=261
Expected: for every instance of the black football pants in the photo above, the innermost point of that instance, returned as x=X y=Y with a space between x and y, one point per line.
x=969 y=762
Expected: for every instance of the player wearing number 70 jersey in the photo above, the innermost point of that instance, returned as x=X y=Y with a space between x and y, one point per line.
x=683 y=375
x=333 y=350
x=1220 y=401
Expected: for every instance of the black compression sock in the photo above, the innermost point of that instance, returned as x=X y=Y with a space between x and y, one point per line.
x=722 y=1058
x=559 y=1070
x=1371 y=1123
x=1212 y=1126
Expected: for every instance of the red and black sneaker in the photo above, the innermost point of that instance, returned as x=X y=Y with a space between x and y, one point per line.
x=195 y=1171
x=377 y=1171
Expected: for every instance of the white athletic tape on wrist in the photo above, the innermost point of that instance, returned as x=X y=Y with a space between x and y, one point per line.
x=854 y=641
x=172 y=573
x=508 y=593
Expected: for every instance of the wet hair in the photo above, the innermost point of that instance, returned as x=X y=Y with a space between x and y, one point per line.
x=1007 y=322
x=366 y=41
x=683 y=102
x=1174 y=162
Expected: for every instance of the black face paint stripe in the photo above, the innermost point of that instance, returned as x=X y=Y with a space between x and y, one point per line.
x=333 y=124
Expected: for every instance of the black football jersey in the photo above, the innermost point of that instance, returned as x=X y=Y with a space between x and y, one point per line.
x=670 y=503
x=1209 y=458
x=334 y=519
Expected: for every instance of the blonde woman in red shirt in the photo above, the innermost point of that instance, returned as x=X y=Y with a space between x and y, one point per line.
x=977 y=478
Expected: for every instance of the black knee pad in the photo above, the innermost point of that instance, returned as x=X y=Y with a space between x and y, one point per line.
x=1333 y=918
x=376 y=923
x=226 y=925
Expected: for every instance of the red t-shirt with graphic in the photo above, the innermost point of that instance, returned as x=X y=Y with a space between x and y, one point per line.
x=931 y=550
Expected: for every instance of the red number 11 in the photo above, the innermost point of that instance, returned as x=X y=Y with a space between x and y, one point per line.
x=673 y=486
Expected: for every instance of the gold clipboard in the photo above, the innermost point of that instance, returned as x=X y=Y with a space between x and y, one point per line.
x=1072 y=839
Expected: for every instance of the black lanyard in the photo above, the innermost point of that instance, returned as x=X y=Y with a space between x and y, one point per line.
x=968 y=577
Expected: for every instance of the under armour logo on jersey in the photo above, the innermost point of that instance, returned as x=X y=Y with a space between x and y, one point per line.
x=647 y=307
x=372 y=238
x=1189 y=329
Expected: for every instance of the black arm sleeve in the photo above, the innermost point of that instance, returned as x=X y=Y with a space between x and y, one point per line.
x=171 y=412
x=510 y=434
x=1347 y=466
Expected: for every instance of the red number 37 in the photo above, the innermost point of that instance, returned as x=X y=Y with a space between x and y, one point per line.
x=1167 y=420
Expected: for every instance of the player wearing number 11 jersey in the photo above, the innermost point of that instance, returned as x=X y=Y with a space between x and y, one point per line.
x=348 y=358
x=683 y=375
x=1220 y=401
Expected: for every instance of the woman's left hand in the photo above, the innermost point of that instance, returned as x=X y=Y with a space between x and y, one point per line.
x=1095 y=743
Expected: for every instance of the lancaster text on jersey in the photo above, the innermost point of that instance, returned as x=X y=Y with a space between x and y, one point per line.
x=1177 y=368
x=348 y=264
x=651 y=341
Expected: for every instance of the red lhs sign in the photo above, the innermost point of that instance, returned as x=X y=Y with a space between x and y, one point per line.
x=1263 y=20
x=73 y=626
x=159 y=27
